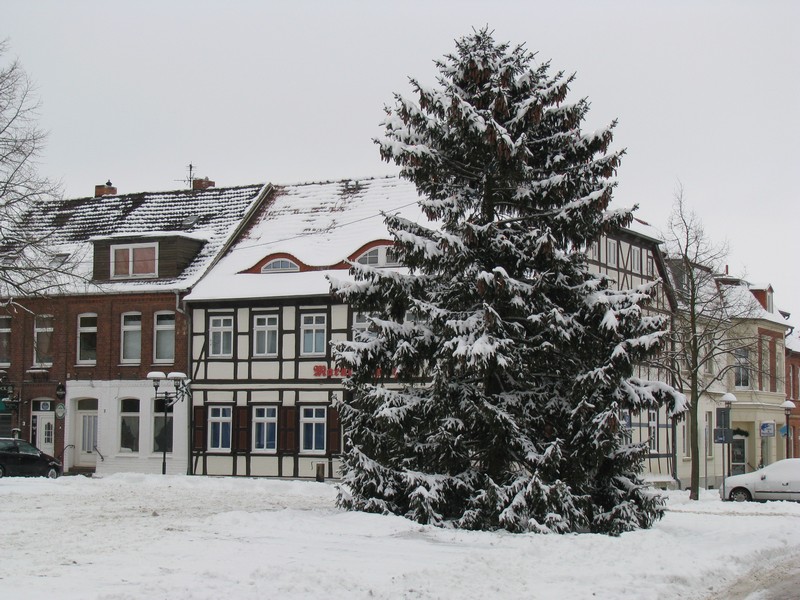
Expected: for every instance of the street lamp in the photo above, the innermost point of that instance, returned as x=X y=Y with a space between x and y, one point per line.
x=728 y=399
x=181 y=384
x=787 y=407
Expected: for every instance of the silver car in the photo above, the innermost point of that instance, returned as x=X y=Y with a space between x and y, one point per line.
x=778 y=481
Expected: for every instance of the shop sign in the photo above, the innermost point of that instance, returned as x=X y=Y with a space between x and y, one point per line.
x=768 y=429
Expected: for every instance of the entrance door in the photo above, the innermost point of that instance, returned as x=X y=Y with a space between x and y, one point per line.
x=45 y=431
x=86 y=433
x=738 y=456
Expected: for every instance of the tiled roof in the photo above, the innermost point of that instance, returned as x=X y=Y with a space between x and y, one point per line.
x=319 y=224
x=212 y=214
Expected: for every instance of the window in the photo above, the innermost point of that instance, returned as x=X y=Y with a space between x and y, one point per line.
x=220 y=332
x=636 y=259
x=741 y=369
x=265 y=428
x=164 y=346
x=369 y=258
x=265 y=335
x=312 y=330
x=129 y=425
x=652 y=428
x=361 y=323
x=131 y=351
x=381 y=256
x=42 y=339
x=48 y=433
x=594 y=250
x=162 y=426
x=611 y=253
x=651 y=267
x=87 y=339
x=219 y=430
x=687 y=439
x=5 y=340
x=312 y=429
x=709 y=426
x=280 y=265
x=134 y=260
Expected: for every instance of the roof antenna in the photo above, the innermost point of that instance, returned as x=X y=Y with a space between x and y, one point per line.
x=188 y=181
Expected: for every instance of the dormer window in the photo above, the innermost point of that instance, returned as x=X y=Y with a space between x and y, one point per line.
x=280 y=265
x=381 y=256
x=134 y=260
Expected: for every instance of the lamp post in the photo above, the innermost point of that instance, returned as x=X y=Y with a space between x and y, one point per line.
x=728 y=399
x=787 y=407
x=170 y=398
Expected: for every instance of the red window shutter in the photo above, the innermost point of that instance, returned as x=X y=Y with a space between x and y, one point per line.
x=242 y=428
x=287 y=429
x=334 y=432
x=199 y=424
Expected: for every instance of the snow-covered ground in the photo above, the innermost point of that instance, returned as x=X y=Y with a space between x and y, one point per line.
x=147 y=536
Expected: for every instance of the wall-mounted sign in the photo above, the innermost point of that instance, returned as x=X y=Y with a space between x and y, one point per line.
x=768 y=429
x=61 y=410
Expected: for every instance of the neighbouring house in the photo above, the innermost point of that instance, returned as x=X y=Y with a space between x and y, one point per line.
x=264 y=383
x=792 y=385
x=76 y=357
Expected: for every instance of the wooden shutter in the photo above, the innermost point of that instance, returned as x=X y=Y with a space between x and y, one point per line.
x=334 y=432
x=199 y=428
x=287 y=429
x=241 y=426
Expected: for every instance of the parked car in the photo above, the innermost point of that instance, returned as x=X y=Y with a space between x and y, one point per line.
x=18 y=457
x=778 y=481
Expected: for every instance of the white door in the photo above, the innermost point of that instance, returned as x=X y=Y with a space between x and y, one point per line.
x=45 y=432
x=86 y=433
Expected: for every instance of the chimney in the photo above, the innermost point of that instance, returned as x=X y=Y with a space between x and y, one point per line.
x=105 y=189
x=202 y=184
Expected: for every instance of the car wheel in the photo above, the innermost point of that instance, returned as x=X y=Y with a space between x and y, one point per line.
x=2 y=471
x=52 y=473
x=740 y=495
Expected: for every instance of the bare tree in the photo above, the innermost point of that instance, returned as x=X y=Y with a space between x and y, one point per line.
x=709 y=333
x=28 y=265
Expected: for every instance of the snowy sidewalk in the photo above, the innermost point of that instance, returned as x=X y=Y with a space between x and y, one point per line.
x=145 y=536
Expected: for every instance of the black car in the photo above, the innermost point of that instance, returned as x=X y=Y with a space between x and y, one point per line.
x=18 y=457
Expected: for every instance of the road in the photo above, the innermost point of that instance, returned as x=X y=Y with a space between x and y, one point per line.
x=776 y=582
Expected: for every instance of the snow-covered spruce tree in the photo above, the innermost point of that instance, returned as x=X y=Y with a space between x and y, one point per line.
x=487 y=392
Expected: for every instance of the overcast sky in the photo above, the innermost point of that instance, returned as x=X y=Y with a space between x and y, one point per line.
x=706 y=93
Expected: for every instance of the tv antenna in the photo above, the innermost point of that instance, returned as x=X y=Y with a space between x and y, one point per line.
x=188 y=180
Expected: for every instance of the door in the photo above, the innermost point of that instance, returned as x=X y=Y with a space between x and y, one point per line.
x=86 y=433
x=738 y=456
x=45 y=431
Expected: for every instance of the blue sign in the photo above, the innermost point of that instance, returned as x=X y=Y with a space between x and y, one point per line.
x=768 y=429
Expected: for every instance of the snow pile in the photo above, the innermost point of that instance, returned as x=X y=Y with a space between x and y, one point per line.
x=129 y=536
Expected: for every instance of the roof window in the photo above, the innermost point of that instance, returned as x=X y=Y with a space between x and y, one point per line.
x=280 y=265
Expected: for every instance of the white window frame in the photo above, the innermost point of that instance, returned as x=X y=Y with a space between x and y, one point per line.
x=132 y=248
x=379 y=256
x=266 y=325
x=313 y=417
x=651 y=265
x=709 y=433
x=220 y=331
x=280 y=265
x=741 y=368
x=86 y=329
x=5 y=337
x=611 y=252
x=636 y=259
x=361 y=323
x=137 y=414
x=224 y=419
x=265 y=417
x=313 y=322
x=127 y=330
x=159 y=329
x=37 y=329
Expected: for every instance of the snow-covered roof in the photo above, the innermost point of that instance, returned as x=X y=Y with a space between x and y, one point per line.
x=644 y=229
x=71 y=226
x=318 y=225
